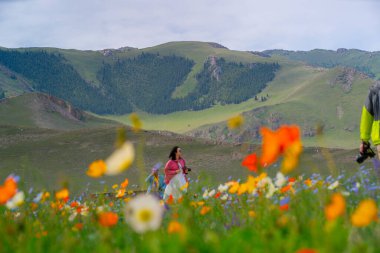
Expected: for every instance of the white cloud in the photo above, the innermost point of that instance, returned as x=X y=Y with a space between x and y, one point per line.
x=241 y=25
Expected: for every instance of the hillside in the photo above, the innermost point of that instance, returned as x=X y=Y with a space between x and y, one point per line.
x=327 y=99
x=366 y=62
x=183 y=86
x=45 y=111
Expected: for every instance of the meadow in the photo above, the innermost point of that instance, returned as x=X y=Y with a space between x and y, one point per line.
x=276 y=208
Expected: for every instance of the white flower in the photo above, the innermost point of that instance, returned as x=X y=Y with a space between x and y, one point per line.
x=357 y=185
x=280 y=179
x=16 y=201
x=268 y=185
x=205 y=194
x=223 y=187
x=333 y=185
x=224 y=197
x=144 y=213
x=211 y=193
x=120 y=159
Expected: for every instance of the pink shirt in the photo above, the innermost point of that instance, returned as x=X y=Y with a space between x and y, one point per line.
x=171 y=167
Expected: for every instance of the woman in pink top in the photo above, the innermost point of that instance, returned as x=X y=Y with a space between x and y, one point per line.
x=175 y=164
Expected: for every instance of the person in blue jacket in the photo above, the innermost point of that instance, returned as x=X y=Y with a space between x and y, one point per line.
x=156 y=182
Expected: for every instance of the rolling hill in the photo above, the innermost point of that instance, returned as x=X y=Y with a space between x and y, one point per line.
x=39 y=110
x=194 y=87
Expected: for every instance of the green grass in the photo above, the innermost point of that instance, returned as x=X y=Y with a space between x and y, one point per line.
x=241 y=223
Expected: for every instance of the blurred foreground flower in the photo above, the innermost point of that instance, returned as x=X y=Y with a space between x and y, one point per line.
x=235 y=122
x=144 y=213
x=120 y=159
x=8 y=189
x=175 y=228
x=336 y=207
x=16 y=201
x=285 y=141
x=108 y=219
x=136 y=122
x=62 y=194
x=96 y=169
x=250 y=161
x=365 y=213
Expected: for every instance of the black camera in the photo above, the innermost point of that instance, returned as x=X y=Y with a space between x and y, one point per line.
x=367 y=152
x=187 y=169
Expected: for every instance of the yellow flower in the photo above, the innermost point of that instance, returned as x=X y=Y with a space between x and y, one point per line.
x=242 y=189
x=96 y=169
x=115 y=186
x=336 y=207
x=234 y=187
x=291 y=156
x=252 y=214
x=184 y=187
x=120 y=159
x=235 y=122
x=365 y=213
x=62 y=194
x=136 y=122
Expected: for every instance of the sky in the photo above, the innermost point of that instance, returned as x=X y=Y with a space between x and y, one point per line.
x=246 y=25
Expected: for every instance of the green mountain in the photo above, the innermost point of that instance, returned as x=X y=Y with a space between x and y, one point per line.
x=194 y=87
x=366 y=62
x=155 y=80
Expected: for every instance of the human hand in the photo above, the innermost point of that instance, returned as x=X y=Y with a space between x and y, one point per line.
x=363 y=147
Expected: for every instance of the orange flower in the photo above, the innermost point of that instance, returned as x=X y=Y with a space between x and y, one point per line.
x=74 y=204
x=205 y=209
x=170 y=200
x=8 y=190
x=286 y=188
x=175 y=227
x=251 y=162
x=284 y=207
x=308 y=182
x=96 y=169
x=124 y=184
x=305 y=250
x=62 y=194
x=108 y=219
x=365 y=213
x=336 y=207
x=120 y=193
x=78 y=226
x=285 y=141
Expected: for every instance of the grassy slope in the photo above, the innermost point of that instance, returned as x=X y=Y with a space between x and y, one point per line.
x=28 y=111
x=299 y=93
x=47 y=158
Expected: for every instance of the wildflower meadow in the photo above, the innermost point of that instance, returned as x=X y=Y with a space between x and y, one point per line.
x=289 y=212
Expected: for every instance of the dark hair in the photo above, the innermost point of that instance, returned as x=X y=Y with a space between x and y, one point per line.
x=173 y=152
